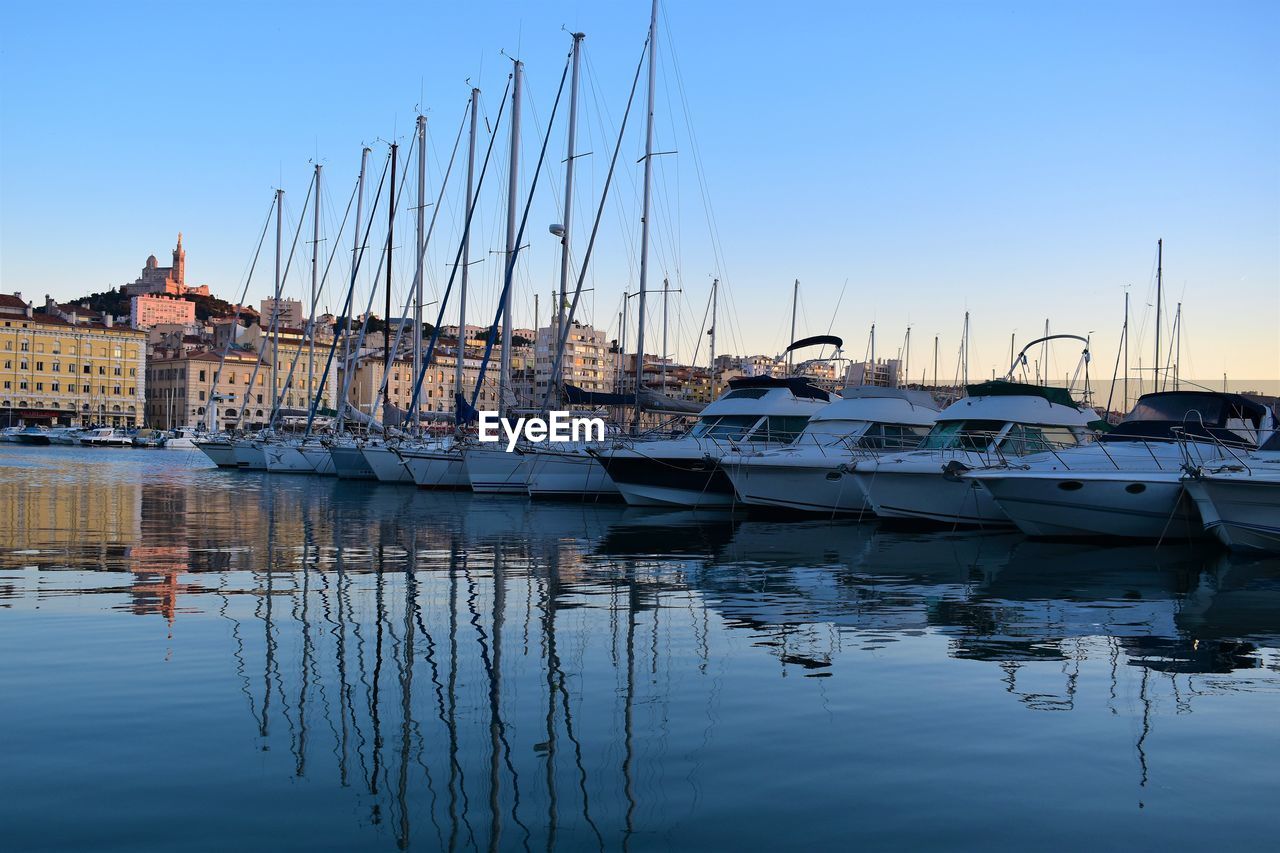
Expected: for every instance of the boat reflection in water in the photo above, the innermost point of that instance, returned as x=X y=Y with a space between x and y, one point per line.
x=374 y=667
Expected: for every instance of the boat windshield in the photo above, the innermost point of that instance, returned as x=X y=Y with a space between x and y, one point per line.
x=892 y=437
x=1179 y=407
x=1025 y=439
x=962 y=435
x=724 y=427
x=827 y=432
x=779 y=429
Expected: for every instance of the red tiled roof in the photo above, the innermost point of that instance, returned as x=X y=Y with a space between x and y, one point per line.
x=9 y=301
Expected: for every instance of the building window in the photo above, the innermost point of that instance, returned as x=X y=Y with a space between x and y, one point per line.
x=202 y=398
x=133 y=371
x=57 y=386
x=88 y=369
x=102 y=370
x=26 y=346
x=22 y=386
x=40 y=366
x=132 y=391
x=57 y=367
x=39 y=386
x=86 y=388
x=202 y=376
x=116 y=390
x=7 y=385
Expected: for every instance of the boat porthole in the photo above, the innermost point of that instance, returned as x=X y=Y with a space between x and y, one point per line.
x=833 y=476
x=1071 y=485
x=1135 y=488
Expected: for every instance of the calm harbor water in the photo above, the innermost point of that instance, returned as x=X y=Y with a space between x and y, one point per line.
x=201 y=659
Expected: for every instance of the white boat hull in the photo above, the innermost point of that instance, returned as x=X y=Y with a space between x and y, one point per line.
x=925 y=496
x=349 y=464
x=436 y=469
x=494 y=471
x=1132 y=505
x=828 y=491
x=317 y=455
x=1243 y=512
x=286 y=458
x=386 y=466
x=250 y=456
x=220 y=453
x=568 y=475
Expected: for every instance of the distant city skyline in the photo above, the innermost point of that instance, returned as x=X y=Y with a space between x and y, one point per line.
x=905 y=163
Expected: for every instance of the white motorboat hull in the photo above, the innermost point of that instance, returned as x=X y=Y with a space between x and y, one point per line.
x=1127 y=505
x=386 y=466
x=349 y=463
x=568 y=475
x=250 y=456
x=494 y=471
x=1242 y=511
x=637 y=494
x=930 y=497
x=436 y=469
x=809 y=488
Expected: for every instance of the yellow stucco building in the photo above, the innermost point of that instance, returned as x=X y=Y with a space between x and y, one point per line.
x=54 y=371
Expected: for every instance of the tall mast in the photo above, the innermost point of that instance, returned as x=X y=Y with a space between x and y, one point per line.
x=795 y=300
x=935 y=362
x=315 y=285
x=715 y=286
x=873 y=356
x=513 y=180
x=906 y=360
x=666 y=291
x=568 y=185
x=1126 y=351
x=1159 y=294
x=466 y=244
x=419 y=242
x=966 y=348
x=1177 y=338
x=386 y=334
x=275 y=314
x=341 y=405
x=644 y=216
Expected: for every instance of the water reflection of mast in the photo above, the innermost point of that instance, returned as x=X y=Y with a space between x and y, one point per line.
x=406 y=695
x=628 y=705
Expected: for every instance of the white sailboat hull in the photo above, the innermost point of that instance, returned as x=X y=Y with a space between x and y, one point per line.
x=435 y=468
x=220 y=453
x=494 y=471
x=568 y=474
x=250 y=456
x=285 y=458
x=349 y=463
x=317 y=455
x=384 y=463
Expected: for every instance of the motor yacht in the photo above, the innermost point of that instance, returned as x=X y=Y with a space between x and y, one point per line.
x=756 y=413
x=1239 y=497
x=998 y=420
x=32 y=435
x=813 y=473
x=182 y=438
x=1128 y=484
x=106 y=437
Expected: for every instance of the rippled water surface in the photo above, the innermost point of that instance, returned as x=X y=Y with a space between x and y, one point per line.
x=200 y=659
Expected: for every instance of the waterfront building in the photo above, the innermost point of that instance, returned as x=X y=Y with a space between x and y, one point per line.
x=437 y=386
x=75 y=374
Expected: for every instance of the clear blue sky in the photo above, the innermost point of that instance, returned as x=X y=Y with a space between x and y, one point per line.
x=1015 y=159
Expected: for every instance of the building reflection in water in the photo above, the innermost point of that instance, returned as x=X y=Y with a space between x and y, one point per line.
x=495 y=674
